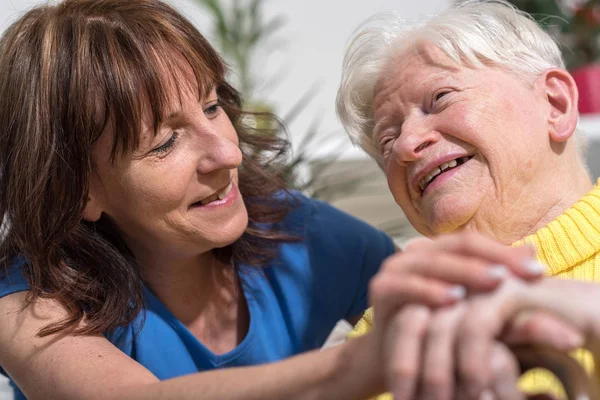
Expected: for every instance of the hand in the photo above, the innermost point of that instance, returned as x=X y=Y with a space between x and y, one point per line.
x=420 y=356
x=434 y=274
x=439 y=272
x=555 y=312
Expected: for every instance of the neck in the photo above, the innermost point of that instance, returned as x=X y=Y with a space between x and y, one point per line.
x=199 y=278
x=204 y=294
x=526 y=208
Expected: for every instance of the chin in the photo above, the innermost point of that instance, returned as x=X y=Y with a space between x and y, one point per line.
x=446 y=217
x=230 y=231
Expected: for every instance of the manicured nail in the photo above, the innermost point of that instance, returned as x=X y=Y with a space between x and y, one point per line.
x=457 y=292
x=533 y=267
x=497 y=271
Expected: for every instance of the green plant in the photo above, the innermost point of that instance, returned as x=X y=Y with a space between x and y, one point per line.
x=241 y=32
x=574 y=23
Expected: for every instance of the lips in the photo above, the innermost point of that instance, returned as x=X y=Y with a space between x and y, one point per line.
x=218 y=195
x=429 y=173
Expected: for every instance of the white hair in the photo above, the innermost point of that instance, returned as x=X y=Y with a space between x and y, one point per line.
x=476 y=33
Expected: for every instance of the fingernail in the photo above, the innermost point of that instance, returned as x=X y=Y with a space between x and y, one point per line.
x=497 y=271
x=533 y=267
x=457 y=292
x=486 y=395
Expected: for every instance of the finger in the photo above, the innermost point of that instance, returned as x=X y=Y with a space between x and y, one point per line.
x=402 y=350
x=416 y=243
x=437 y=380
x=472 y=272
x=505 y=369
x=477 y=332
x=538 y=327
x=388 y=293
x=483 y=323
x=519 y=260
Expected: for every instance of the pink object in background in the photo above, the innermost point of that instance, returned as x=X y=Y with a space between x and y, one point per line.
x=588 y=83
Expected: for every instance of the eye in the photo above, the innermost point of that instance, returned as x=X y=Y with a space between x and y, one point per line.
x=437 y=98
x=439 y=95
x=213 y=110
x=386 y=144
x=163 y=148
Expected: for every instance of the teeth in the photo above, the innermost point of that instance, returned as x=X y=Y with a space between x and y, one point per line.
x=218 y=196
x=438 y=170
x=225 y=192
x=449 y=164
x=209 y=199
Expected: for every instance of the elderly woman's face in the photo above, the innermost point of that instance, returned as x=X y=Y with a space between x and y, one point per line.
x=177 y=193
x=456 y=142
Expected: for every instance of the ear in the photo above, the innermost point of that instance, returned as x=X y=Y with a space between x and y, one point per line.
x=92 y=211
x=562 y=96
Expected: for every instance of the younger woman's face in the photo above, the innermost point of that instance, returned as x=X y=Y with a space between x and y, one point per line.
x=177 y=194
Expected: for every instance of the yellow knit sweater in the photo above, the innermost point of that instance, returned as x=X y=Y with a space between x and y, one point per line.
x=570 y=247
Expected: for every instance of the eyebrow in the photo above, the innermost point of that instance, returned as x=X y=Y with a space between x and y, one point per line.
x=176 y=114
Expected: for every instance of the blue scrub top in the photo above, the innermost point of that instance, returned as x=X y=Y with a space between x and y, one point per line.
x=294 y=302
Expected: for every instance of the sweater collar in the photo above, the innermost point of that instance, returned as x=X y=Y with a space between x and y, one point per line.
x=572 y=237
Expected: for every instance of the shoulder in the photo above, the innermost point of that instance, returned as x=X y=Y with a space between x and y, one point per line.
x=12 y=277
x=318 y=220
x=336 y=241
x=319 y=217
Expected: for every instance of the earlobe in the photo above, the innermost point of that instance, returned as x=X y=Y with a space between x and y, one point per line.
x=562 y=95
x=92 y=211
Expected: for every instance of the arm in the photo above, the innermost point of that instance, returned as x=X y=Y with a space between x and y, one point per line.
x=73 y=367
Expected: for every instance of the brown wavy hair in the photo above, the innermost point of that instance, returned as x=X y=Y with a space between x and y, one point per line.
x=67 y=72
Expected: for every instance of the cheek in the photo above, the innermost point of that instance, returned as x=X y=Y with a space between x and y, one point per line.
x=396 y=179
x=156 y=189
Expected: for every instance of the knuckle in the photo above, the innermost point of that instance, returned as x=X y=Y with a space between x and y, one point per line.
x=416 y=243
x=468 y=329
x=413 y=320
x=472 y=375
x=439 y=325
x=396 y=262
x=379 y=290
x=436 y=381
x=402 y=370
x=467 y=242
x=502 y=361
x=376 y=284
x=435 y=258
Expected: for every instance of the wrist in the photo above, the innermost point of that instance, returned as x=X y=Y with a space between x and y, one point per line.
x=360 y=368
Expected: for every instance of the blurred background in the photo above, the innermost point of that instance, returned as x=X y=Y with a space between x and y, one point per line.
x=286 y=58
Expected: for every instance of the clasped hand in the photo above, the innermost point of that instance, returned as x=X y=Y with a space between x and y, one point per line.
x=446 y=310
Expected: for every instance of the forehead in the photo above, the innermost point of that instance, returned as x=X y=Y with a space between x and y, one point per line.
x=177 y=86
x=415 y=66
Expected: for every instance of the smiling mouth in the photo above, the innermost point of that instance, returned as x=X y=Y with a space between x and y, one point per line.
x=220 y=195
x=447 y=166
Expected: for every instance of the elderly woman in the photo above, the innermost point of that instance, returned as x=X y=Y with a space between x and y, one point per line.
x=149 y=247
x=473 y=119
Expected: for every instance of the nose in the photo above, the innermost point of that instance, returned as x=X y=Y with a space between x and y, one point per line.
x=218 y=151
x=416 y=135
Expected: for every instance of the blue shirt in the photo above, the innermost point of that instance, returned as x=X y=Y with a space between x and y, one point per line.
x=294 y=302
